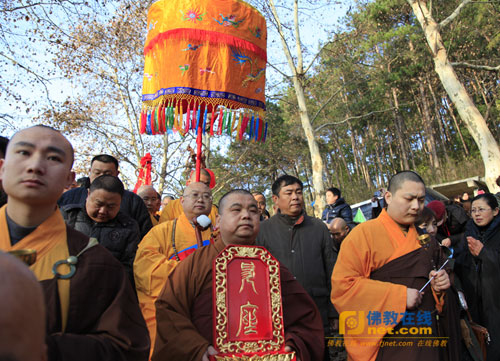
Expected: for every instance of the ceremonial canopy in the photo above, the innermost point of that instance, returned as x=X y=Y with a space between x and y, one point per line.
x=204 y=69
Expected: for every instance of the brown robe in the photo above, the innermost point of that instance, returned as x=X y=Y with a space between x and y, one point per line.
x=104 y=320
x=184 y=312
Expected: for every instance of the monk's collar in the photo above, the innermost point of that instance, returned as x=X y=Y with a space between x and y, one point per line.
x=291 y=221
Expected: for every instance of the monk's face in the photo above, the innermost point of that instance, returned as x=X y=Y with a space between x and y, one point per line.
x=150 y=198
x=37 y=166
x=204 y=178
x=197 y=200
x=102 y=206
x=239 y=219
x=406 y=203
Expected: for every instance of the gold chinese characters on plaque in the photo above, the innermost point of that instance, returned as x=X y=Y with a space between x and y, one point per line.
x=248 y=319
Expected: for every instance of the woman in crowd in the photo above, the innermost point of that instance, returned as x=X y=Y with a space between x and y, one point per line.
x=427 y=222
x=479 y=268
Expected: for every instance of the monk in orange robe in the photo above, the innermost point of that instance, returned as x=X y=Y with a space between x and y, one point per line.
x=376 y=281
x=165 y=246
x=91 y=309
x=174 y=208
x=185 y=306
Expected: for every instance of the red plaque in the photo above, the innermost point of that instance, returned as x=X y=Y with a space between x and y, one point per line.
x=248 y=319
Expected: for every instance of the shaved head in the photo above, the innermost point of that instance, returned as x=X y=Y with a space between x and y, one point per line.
x=22 y=320
x=205 y=177
x=67 y=144
x=337 y=223
x=222 y=201
x=148 y=190
x=338 y=229
x=397 y=180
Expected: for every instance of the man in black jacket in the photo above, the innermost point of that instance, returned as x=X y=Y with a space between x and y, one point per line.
x=302 y=244
x=132 y=205
x=336 y=207
x=100 y=217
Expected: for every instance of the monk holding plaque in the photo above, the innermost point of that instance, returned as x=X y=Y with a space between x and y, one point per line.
x=233 y=301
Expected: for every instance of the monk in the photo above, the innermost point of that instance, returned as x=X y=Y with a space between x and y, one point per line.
x=165 y=246
x=380 y=269
x=150 y=197
x=174 y=208
x=184 y=308
x=91 y=310
x=22 y=316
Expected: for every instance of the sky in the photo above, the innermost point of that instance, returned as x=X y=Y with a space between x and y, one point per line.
x=317 y=23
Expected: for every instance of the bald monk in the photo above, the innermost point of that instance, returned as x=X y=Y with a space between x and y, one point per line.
x=184 y=308
x=22 y=316
x=380 y=269
x=165 y=246
x=339 y=230
x=174 y=208
x=91 y=310
x=150 y=197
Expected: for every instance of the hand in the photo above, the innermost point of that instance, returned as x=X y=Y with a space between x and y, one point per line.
x=413 y=298
x=289 y=349
x=209 y=352
x=475 y=246
x=441 y=281
x=446 y=242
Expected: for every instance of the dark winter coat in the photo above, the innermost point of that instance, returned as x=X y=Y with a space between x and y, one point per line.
x=480 y=277
x=339 y=209
x=132 y=205
x=120 y=235
x=304 y=247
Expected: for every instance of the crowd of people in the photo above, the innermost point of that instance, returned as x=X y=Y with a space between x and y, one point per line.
x=120 y=275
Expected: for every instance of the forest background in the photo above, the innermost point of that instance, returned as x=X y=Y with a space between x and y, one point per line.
x=374 y=102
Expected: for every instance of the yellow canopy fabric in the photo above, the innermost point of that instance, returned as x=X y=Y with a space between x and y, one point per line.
x=200 y=55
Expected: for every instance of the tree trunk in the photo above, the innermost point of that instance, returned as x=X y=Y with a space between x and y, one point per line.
x=297 y=76
x=466 y=109
x=452 y=115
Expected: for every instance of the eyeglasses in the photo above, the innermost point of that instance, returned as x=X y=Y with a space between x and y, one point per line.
x=195 y=196
x=479 y=210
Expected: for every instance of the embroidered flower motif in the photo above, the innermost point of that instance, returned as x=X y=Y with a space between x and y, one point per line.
x=257 y=32
x=193 y=15
x=184 y=68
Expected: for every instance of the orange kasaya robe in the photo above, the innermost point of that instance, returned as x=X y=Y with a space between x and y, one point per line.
x=368 y=247
x=154 y=221
x=155 y=260
x=50 y=242
x=174 y=210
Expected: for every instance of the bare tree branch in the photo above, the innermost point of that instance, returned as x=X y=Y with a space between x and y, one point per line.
x=454 y=14
x=358 y=117
x=478 y=67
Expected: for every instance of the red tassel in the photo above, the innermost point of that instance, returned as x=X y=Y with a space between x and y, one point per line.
x=144 y=119
x=212 y=122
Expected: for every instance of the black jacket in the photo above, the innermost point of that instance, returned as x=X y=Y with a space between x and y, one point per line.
x=132 y=205
x=339 y=209
x=480 y=277
x=120 y=235
x=304 y=247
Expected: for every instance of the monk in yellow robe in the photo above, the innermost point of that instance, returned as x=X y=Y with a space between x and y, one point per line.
x=91 y=310
x=165 y=246
x=376 y=281
x=174 y=208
